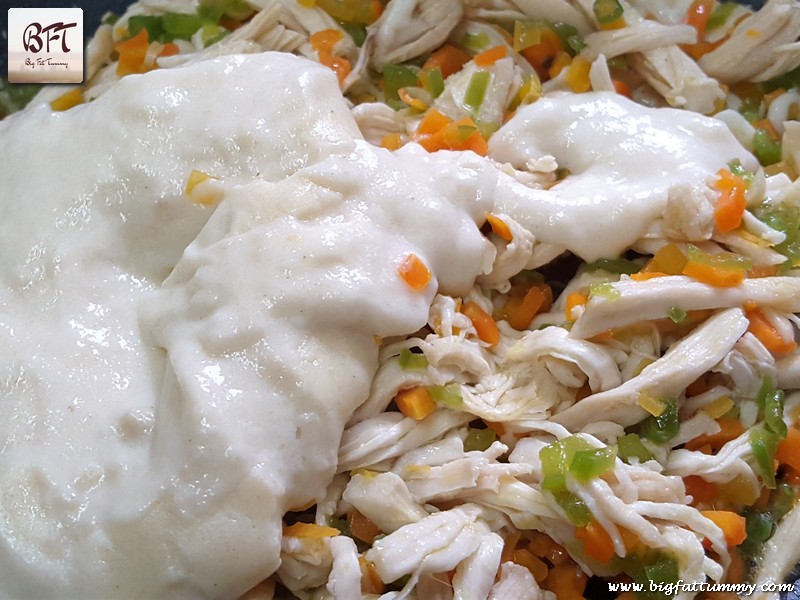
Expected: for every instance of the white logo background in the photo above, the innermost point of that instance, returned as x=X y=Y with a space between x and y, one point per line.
x=45 y=45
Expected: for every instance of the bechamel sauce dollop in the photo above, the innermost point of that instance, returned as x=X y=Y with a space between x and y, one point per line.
x=155 y=431
x=622 y=159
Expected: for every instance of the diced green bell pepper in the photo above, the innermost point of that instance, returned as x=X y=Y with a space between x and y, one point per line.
x=722 y=260
x=605 y=290
x=630 y=446
x=720 y=14
x=767 y=150
x=676 y=314
x=556 y=459
x=590 y=464
x=614 y=265
x=607 y=11
x=394 y=78
x=411 y=361
x=577 y=512
x=432 y=81
x=476 y=90
x=152 y=24
x=764 y=443
x=665 y=426
x=447 y=395
x=479 y=439
x=782 y=501
x=770 y=404
x=476 y=42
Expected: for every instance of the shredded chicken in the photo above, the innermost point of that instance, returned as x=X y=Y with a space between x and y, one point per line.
x=409 y=28
x=434 y=544
x=652 y=299
x=505 y=81
x=760 y=46
x=682 y=364
x=376 y=121
x=517 y=583
x=781 y=554
x=639 y=37
x=368 y=494
x=678 y=79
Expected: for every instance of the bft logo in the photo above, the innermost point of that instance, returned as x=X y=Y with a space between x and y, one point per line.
x=32 y=37
x=45 y=45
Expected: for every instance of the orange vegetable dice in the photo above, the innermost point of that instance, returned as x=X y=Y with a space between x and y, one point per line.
x=484 y=324
x=712 y=275
x=539 y=55
x=577 y=76
x=310 y=531
x=761 y=327
x=699 y=489
x=416 y=403
x=361 y=527
x=731 y=524
x=371 y=582
x=414 y=272
x=132 y=53
x=697 y=16
x=731 y=204
x=67 y=100
x=521 y=308
x=392 y=141
x=574 y=300
x=499 y=227
x=448 y=58
x=788 y=452
x=730 y=429
x=325 y=40
x=566 y=581
x=596 y=542
x=491 y=56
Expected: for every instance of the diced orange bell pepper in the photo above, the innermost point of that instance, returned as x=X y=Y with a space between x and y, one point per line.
x=731 y=204
x=712 y=275
x=731 y=524
x=484 y=324
x=596 y=542
x=415 y=402
x=414 y=272
x=448 y=58
x=361 y=527
x=488 y=57
x=766 y=332
x=788 y=452
x=699 y=489
x=132 y=53
x=730 y=429
x=310 y=531
x=499 y=227
x=574 y=300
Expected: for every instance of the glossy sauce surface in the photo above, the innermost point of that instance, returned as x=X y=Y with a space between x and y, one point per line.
x=157 y=431
x=621 y=159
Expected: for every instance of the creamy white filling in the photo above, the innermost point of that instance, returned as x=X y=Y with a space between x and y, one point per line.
x=622 y=158
x=153 y=454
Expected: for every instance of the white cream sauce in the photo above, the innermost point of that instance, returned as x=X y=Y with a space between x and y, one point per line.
x=154 y=435
x=622 y=159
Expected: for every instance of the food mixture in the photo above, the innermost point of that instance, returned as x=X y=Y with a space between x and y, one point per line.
x=425 y=299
